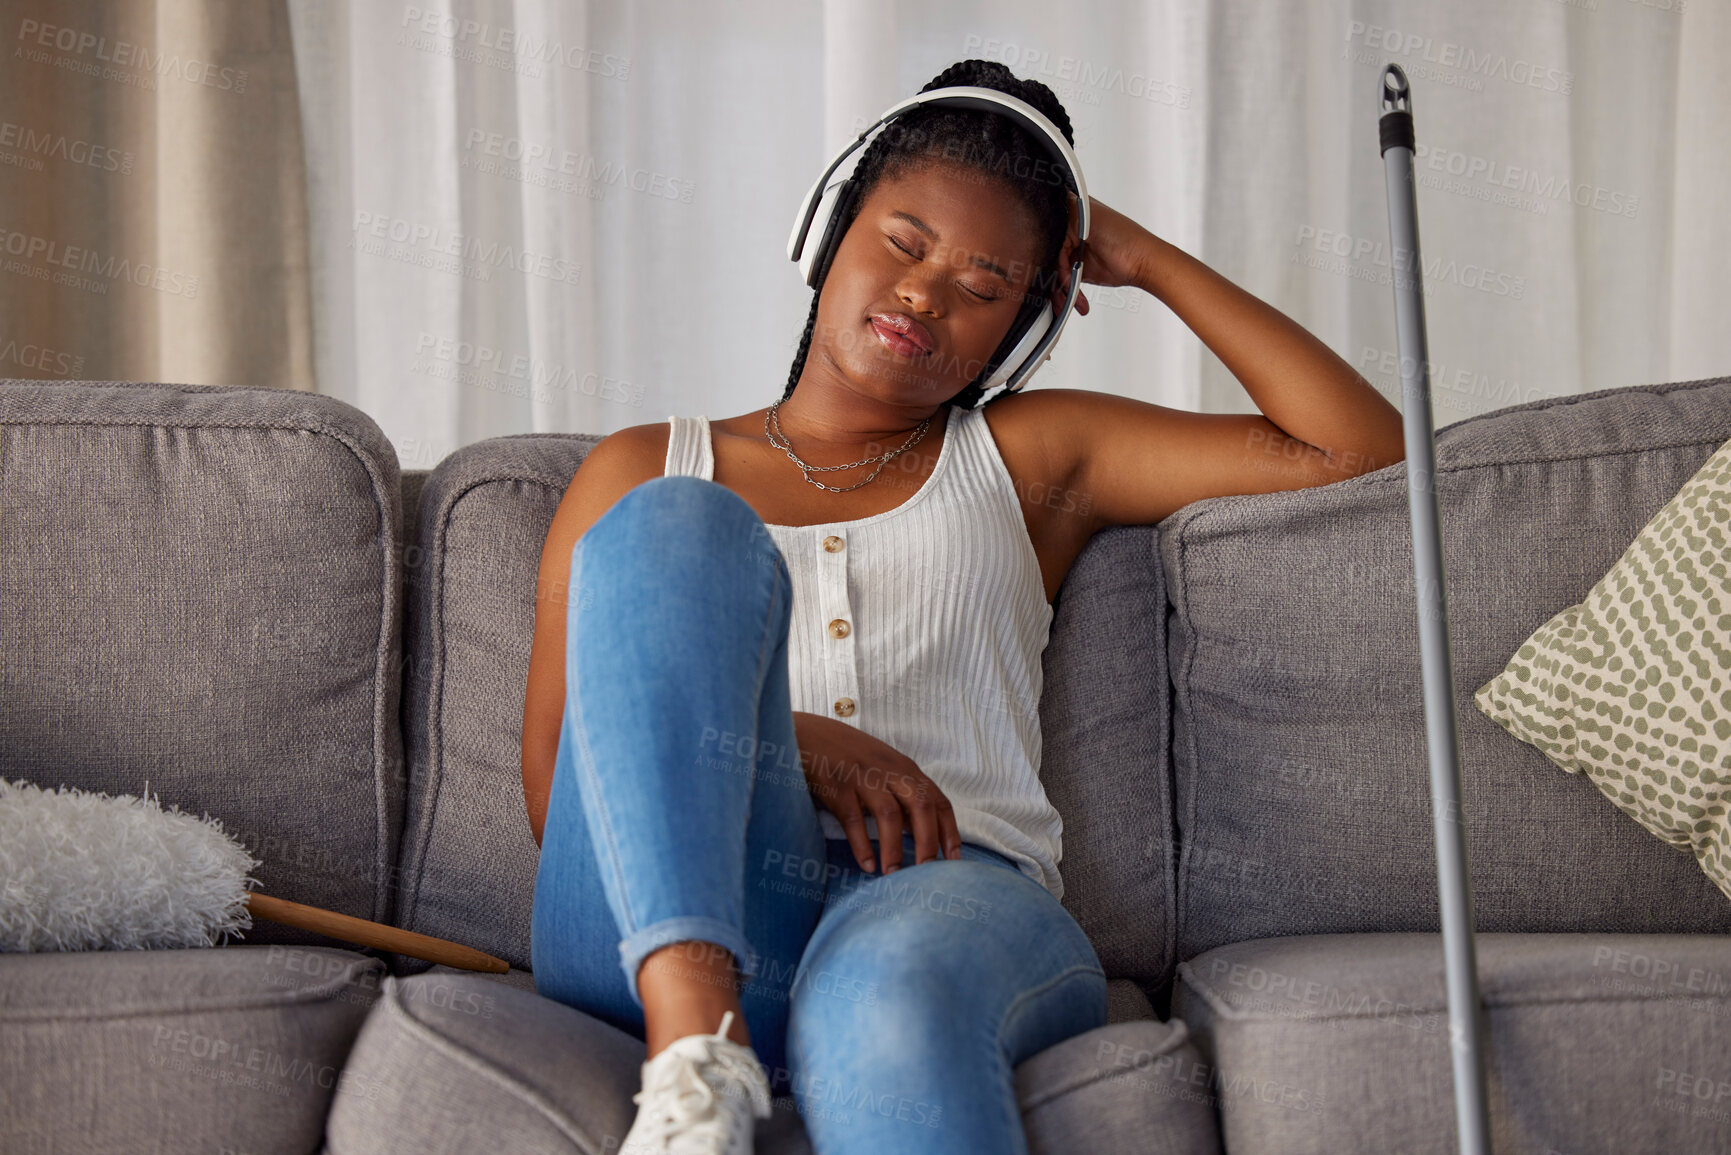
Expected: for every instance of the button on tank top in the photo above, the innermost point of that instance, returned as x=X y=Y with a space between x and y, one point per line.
x=924 y=626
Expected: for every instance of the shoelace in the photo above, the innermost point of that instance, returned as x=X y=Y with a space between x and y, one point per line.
x=691 y=1115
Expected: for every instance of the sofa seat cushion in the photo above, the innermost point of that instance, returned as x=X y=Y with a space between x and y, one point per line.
x=1120 y=1089
x=467 y=1062
x=235 y=1048
x=1125 y=1000
x=1592 y=1042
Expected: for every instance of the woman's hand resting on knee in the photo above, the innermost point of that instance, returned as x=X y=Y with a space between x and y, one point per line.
x=851 y=774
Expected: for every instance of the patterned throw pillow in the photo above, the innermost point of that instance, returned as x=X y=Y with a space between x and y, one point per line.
x=1633 y=686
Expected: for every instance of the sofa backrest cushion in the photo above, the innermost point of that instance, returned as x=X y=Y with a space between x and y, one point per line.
x=1105 y=735
x=469 y=859
x=1299 y=745
x=200 y=591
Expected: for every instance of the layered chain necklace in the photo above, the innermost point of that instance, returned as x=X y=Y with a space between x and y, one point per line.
x=882 y=459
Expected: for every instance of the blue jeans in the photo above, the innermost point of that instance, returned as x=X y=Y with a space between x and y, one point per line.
x=894 y=1008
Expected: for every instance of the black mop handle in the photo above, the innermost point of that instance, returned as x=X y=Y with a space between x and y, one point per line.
x=1454 y=888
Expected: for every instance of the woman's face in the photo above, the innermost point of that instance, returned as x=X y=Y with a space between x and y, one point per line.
x=942 y=251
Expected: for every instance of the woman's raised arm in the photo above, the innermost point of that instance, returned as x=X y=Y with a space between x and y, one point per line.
x=1320 y=422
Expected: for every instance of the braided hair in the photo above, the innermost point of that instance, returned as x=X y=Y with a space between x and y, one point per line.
x=987 y=141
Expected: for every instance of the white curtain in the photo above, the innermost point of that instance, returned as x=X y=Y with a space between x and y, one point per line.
x=571 y=215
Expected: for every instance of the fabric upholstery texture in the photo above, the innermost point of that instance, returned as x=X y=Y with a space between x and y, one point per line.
x=1125 y=1001
x=1595 y=1044
x=237 y=1048
x=1303 y=799
x=1105 y=717
x=472 y=1063
x=201 y=591
x=469 y=858
x=1632 y=686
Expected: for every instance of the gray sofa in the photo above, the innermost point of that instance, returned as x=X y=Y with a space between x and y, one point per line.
x=236 y=595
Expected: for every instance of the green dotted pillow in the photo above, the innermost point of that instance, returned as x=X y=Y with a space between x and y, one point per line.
x=1633 y=686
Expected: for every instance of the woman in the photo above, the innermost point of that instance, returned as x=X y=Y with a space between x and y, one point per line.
x=818 y=652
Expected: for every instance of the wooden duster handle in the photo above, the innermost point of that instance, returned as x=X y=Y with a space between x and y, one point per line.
x=376 y=934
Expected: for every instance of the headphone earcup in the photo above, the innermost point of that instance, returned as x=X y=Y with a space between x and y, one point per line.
x=1023 y=346
x=820 y=238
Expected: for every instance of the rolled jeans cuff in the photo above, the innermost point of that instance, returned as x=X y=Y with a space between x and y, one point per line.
x=636 y=947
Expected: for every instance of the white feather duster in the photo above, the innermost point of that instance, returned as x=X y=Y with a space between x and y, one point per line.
x=83 y=871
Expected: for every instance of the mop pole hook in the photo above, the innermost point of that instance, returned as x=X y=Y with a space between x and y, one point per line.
x=1396 y=94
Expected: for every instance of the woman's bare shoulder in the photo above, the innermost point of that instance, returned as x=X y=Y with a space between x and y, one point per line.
x=1040 y=430
x=636 y=449
x=615 y=465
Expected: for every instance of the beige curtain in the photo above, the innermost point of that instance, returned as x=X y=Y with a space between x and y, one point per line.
x=152 y=197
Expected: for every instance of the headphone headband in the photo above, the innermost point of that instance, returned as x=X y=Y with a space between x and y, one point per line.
x=961 y=96
x=1029 y=348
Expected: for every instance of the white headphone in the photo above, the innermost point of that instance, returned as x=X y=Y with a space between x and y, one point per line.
x=1027 y=345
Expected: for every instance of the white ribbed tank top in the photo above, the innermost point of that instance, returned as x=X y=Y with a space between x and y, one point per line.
x=943 y=617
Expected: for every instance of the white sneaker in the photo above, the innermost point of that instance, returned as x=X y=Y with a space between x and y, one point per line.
x=699 y=1097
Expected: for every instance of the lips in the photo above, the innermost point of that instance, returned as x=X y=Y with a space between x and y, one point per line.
x=902 y=333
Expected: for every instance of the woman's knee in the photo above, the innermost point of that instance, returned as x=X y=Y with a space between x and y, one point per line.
x=679 y=515
x=687 y=502
x=925 y=930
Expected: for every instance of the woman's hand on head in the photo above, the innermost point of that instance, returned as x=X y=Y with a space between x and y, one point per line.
x=1113 y=254
x=852 y=775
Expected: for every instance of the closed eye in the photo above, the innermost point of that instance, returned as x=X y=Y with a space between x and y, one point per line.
x=911 y=253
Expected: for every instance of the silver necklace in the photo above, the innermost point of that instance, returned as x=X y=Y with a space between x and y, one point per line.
x=787 y=447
